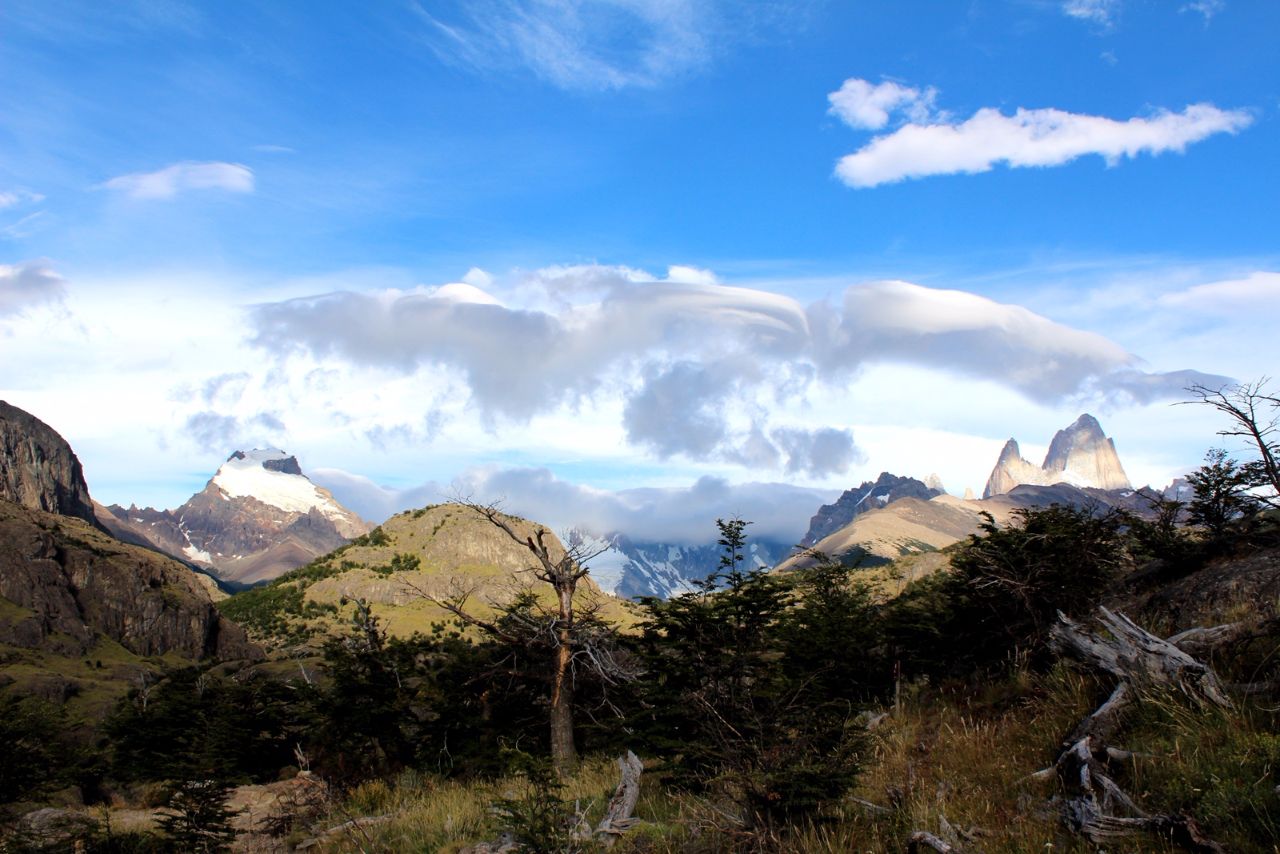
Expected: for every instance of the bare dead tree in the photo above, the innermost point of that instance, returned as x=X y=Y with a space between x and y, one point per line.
x=561 y=570
x=1255 y=411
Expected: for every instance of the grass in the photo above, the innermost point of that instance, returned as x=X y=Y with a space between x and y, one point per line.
x=954 y=754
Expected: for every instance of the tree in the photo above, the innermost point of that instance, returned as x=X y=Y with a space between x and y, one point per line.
x=561 y=569
x=736 y=698
x=199 y=819
x=1255 y=411
x=1221 y=488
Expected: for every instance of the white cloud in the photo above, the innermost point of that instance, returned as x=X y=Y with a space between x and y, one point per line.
x=1101 y=12
x=171 y=180
x=1256 y=294
x=1028 y=138
x=13 y=198
x=864 y=105
x=1207 y=8
x=29 y=284
x=576 y=44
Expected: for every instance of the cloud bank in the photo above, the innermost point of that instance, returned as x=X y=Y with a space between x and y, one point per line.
x=178 y=178
x=667 y=514
x=932 y=143
x=699 y=369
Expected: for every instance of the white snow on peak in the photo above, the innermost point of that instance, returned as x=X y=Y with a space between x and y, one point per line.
x=247 y=478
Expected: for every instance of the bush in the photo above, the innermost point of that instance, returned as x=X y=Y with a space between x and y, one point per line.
x=1006 y=588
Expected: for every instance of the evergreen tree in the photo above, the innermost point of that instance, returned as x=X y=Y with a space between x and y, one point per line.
x=199 y=820
x=728 y=708
x=1220 y=494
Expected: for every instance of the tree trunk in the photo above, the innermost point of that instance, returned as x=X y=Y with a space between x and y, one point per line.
x=564 y=756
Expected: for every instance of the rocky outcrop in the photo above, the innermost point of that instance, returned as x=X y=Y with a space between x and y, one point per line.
x=65 y=585
x=257 y=518
x=871 y=495
x=1080 y=455
x=38 y=469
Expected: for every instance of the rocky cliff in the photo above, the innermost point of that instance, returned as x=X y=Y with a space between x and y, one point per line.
x=871 y=495
x=1080 y=455
x=38 y=469
x=258 y=517
x=65 y=585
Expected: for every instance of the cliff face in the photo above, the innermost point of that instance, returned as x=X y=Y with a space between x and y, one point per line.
x=72 y=584
x=871 y=495
x=38 y=469
x=1080 y=455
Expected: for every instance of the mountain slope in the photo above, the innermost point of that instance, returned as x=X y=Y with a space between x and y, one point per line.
x=910 y=525
x=446 y=550
x=870 y=495
x=71 y=595
x=258 y=517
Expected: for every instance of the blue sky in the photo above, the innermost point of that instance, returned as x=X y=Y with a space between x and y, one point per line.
x=630 y=243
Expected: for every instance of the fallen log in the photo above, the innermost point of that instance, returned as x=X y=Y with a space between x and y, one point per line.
x=923 y=839
x=1140 y=661
x=1134 y=655
x=1203 y=641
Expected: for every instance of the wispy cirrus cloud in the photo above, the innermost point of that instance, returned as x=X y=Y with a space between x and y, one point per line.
x=931 y=143
x=181 y=177
x=1102 y=12
x=13 y=198
x=576 y=44
x=1206 y=8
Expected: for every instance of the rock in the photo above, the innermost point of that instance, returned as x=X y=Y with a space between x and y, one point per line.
x=38 y=469
x=1080 y=455
x=54 y=829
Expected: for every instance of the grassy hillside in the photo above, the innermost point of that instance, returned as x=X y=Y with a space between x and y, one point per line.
x=443 y=550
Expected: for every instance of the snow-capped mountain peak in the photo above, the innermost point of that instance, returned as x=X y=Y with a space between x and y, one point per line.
x=275 y=478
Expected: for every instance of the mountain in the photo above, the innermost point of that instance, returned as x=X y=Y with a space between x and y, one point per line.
x=447 y=550
x=631 y=569
x=912 y=525
x=1080 y=455
x=870 y=495
x=258 y=517
x=38 y=469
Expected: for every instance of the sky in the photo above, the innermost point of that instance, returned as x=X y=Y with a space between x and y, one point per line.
x=632 y=263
